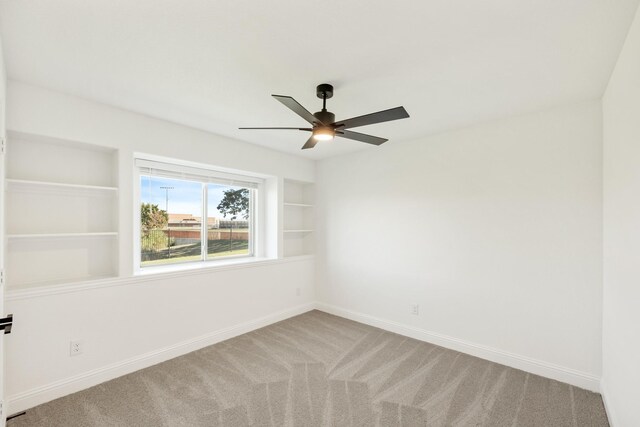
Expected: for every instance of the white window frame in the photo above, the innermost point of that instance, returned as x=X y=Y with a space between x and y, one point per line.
x=198 y=172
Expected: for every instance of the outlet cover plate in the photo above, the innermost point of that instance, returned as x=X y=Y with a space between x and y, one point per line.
x=75 y=347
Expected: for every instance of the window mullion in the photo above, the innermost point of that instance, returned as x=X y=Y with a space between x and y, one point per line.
x=251 y=223
x=204 y=232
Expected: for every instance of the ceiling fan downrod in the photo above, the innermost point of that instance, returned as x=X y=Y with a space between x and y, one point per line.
x=324 y=92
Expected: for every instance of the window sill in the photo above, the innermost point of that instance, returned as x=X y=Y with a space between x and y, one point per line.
x=200 y=265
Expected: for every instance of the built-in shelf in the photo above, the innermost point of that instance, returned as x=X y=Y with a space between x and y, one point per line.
x=298 y=205
x=61 y=235
x=298 y=218
x=61 y=211
x=35 y=184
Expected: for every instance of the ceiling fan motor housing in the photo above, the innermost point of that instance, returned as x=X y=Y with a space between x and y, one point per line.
x=326 y=117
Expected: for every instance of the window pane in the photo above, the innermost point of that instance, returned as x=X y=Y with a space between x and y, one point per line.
x=171 y=220
x=229 y=220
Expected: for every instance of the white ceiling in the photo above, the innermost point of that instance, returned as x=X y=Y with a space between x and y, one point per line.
x=214 y=64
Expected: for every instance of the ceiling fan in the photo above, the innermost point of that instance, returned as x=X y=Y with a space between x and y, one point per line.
x=324 y=125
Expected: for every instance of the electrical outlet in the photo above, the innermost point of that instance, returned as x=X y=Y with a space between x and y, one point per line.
x=414 y=309
x=75 y=348
x=298 y=292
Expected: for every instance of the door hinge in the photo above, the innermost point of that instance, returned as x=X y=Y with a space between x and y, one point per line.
x=1 y=277
x=6 y=323
x=2 y=144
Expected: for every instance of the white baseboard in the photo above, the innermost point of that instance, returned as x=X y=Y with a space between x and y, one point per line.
x=48 y=392
x=607 y=406
x=527 y=364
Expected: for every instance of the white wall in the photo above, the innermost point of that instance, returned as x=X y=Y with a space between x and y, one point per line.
x=128 y=323
x=494 y=230
x=621 y=300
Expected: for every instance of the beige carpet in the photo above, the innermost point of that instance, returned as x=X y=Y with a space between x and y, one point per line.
x=318 y=369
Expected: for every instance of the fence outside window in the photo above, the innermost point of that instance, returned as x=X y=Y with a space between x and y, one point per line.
x=180 y=244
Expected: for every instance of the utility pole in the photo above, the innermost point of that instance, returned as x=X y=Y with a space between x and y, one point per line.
x=166 y=207
x=231 y=233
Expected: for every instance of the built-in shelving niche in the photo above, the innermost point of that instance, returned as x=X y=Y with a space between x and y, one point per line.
x=298 y=229
x=61 y=211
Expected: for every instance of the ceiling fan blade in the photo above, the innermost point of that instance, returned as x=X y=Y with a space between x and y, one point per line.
x=309 y=129
x=295 y=106
x=369 y=119
x=369 y=139
x=311 y=142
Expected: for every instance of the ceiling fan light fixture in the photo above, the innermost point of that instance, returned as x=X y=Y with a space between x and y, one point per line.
x=324 y=124
x=323 y=134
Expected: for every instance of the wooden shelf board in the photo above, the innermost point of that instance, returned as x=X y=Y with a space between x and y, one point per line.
x=61 y=235
x=299 y=205
x=30 y=183
x=71 y=281
x=300 y=256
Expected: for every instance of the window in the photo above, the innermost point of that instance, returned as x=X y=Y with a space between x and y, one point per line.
x=194 y=214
